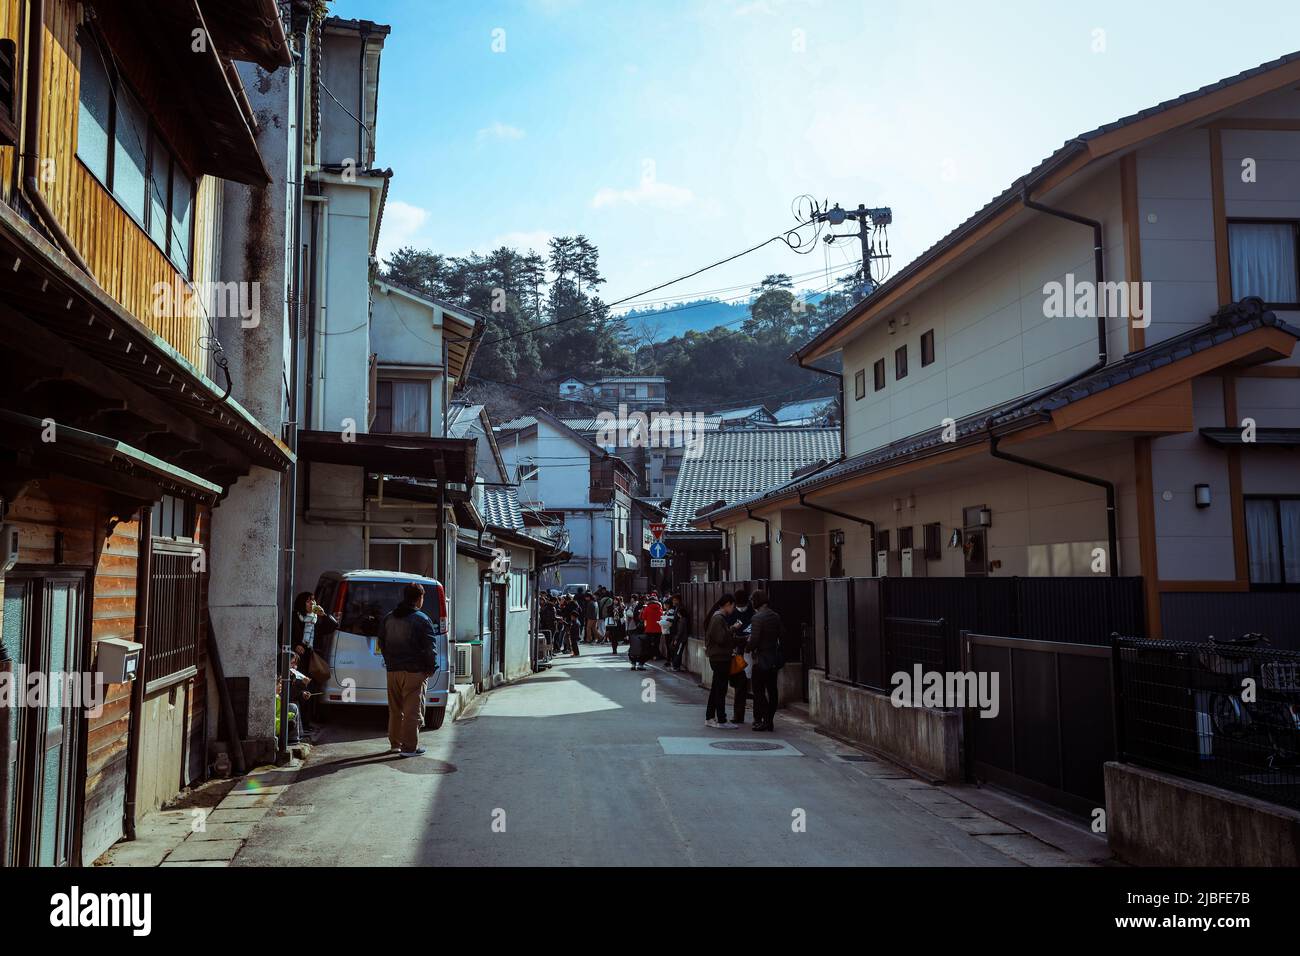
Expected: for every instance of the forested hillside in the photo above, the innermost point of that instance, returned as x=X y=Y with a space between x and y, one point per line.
x=547 y=320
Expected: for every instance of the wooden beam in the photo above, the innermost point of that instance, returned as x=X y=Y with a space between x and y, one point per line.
x=1208 y=360
x=1237 y=502
x=1168 y=410
x=1222 y=266
x=1175 y=587
x=1128 y=186
x=1189 y=112
x=1148 y=545
x=1262 y=122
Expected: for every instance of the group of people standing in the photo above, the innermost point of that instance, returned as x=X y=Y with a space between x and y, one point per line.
x=653 y=628
x=743 y=644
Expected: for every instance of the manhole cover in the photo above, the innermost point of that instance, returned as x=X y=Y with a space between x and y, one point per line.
x=855 y=758
x=743 y=745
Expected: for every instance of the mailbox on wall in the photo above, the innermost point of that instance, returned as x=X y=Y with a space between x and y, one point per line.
x=118 y=661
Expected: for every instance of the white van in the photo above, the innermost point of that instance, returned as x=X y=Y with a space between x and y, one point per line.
x=359 y=600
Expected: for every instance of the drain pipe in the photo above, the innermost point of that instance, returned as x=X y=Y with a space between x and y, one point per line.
x=1112 y=535
x=804 y=503
x=143 y=600
x=1099 y=274
x=32 y=132
x=839 y=381
x=767 y=538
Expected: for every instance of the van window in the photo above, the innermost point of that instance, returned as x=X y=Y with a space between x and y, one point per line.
x=369 y=602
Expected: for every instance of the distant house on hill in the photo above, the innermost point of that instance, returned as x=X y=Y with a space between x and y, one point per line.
x=750 y=416
x=808 y=412
x=637 y=392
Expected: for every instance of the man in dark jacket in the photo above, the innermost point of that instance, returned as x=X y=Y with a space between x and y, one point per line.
x=719 y=643
x=410 y=650
x=764 y=645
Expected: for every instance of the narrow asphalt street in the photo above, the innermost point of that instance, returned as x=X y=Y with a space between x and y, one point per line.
x=578 y=766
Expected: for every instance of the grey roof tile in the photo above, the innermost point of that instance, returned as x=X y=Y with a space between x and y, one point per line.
x=734 y=465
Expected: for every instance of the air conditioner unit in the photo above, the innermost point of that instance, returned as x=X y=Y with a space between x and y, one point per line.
x=912 y=563
x=464 y=664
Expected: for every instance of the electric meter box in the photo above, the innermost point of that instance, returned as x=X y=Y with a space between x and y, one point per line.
x=117 y=660
x=912 y=563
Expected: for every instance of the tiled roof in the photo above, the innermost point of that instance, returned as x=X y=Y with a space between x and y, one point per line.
x=734 y=465
x=1013 y=192
x=1229 y=322
x=501 y=507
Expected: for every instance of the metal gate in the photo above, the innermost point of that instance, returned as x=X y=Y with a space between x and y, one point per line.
x=1054 y=729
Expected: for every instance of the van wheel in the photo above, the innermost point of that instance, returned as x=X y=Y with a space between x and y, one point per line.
x=433 y=717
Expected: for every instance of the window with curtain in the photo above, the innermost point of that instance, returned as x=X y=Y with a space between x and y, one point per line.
x=1273 y=540
x=402 y=407
x=1263 y=261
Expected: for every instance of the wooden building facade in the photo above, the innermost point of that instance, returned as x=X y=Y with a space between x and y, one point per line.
x=124 y=119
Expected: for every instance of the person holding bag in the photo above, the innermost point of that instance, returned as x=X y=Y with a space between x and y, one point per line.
x=719 y=648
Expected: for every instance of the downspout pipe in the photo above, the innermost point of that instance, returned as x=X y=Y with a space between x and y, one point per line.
x=143 y=598
x=804 y=502
x=1098 y=268
x=839 y=381
x=767 y=538
x=32 y=132
x=289 y=527
x=1112 y=534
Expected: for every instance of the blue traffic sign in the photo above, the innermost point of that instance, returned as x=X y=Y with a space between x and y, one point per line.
x=658 y=550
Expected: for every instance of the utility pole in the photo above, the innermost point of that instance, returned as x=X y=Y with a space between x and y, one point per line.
x=868 y=220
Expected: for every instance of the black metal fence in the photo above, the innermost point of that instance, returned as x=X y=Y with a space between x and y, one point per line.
x=1051 y=731
x=1224 y=714
x=865 y=625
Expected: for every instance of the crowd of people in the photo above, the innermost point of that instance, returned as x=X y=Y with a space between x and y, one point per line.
x=742 y=642
x=653 y=628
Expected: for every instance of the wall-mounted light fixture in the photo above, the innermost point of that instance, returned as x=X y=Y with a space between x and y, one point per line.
x=954 y=540
x=1202 y=496
x=986 y=518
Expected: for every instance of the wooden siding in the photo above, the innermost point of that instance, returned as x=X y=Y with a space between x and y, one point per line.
x=108 y=734
x=123 y=258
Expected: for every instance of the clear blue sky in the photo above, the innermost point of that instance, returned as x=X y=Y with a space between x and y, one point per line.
x=676 y=132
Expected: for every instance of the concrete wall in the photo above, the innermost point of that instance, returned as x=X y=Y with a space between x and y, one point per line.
x=336 y=493
x=789 y=683
x=1154 y=819
x=243 y=593
x=342 y=363
x=926 y=740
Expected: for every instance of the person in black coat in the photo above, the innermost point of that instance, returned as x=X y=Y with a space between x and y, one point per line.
x=764 y=648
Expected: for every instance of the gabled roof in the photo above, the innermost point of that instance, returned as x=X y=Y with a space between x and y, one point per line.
x=740 y=414
x=808 y=408
x=463 y=333
x=557 y=423
x=736 y=465
x=1230 y=322
x=1106 y=140
x=471 y=421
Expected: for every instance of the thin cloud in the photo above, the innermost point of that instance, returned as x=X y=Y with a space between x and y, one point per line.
x=500 y=133
x=650 y=192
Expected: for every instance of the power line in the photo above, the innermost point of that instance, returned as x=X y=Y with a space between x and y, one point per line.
x=782 y=237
